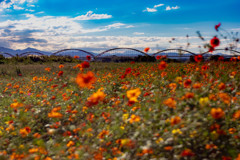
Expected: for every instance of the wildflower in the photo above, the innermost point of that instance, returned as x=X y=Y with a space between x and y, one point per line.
x=217 y=26
x=134 y=118
x=76 y=57
x=146 y=49
x=236 y=115
x=85 y=64
x=128 y=70
x=61 y=66
x=187 y=153
x=187 y=83
x=60 y=73
x=95 y=98
x=48 y=69
x=203 y=101
x=198 y=58
x=211 y=146
x=175 y=120
x=133 y=94
x=158 y=57
x=25 y=131
x=220 y=58
x=170 y=102
x=102 y=134
x=88 y=57
x=162 y=65
x=176 y=131
x=85 y=80
x=16 y=105
x=168 y=148
x=189 y=95
x=225 y=98
x=70 y=143
x=221 y=86
x=217 y=113
x=214 y=42
x=197 y=85
x=211 y=49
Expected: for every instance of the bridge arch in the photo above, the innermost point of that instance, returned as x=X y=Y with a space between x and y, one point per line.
x=178 y=50
x=80 y=50
x=222 y=50
x=8 y=54
x=113 y=49
x=29 y=53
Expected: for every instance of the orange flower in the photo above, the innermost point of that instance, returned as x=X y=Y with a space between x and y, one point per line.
x=61 y=66
x=95 y=98
x=48 y=69
x=70 y=143
x=217 y=113
x=134 y=118
x=175 y=120
x=225 y=98
x=221 y=86
x=85 y=80
x=16 y=105
x=170 y=102
x=146 y=49
x=76 y=57
x=102 y=134
x=189 y=95
x=168 y=148
x=162 y=65
x=236 y=115
x=25 y=131
x=133 y=94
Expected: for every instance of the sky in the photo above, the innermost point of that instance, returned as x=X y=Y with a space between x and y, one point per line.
x=51 y=25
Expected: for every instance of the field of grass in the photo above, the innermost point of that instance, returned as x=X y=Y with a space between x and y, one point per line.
x=120 y=111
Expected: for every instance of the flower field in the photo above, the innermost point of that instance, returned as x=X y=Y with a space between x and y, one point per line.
x=121 y=111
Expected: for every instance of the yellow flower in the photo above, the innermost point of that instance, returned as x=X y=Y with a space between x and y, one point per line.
x=133 y=94
x=16 y=105
x=203 y=101
x=125 y=117
x=176 y=131
x=159 y=140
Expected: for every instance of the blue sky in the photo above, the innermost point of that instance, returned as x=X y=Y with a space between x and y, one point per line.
x=57 y=24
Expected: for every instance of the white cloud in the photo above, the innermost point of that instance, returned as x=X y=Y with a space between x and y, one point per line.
x=91 y=16
x=158 y=5
x=17 y=7
x=57 y=31
x=168 y=8
x=153 y=9
x=138 y=33
x=15 y=4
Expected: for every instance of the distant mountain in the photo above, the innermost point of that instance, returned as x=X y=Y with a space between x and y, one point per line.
x=14 y=52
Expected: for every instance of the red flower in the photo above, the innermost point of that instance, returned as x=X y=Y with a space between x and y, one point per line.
x=128 y=71
x=146 y=49
x=187 y=153
x=88 y=57
x=162 y=65
x=217 y=26
x=85 y=64
x=60 y=73
x=221 y=58
x=211 y=49
x=76 y=57
x=198 y=58
x=158 y=57
x=214 y=42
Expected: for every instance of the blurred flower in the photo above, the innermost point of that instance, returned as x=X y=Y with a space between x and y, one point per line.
x=134 y=118
x=61 y=66
x=187 y=153
x=217 y=26
x=146 y=49
x=95 y=98
x=170 y=102
x=203 y=101
x=88 y=57
x=25 y=131
x=85 y=80
x=85 y=64
x=60 y=73
x=214 y=42
x=217 y=113
x=162 y=65
x=175 y=120
x=198 y=58
x=133 y=94
x=76 y=57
